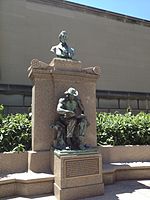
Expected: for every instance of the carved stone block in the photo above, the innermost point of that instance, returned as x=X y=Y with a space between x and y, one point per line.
x=78 y=176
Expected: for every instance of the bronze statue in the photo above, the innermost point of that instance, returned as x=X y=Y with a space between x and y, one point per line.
x=72 y=123
x=62 y=50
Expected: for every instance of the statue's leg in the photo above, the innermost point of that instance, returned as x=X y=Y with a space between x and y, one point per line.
x=81 y=141
x=59 y=142
x=70 y=130
x=82 y=127
x=69 y=142
x=82 y=132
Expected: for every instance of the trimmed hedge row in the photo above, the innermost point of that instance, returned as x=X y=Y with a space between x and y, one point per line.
x=127 y=129
x=112 y=129
x=15 y=132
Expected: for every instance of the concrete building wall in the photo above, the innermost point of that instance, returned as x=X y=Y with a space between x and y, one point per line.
x=29 y=29
x=119 y=44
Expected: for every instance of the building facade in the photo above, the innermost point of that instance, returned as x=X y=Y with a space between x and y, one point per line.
x=118 y=43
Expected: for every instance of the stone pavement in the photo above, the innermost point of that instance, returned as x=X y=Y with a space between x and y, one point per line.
x=123 y=190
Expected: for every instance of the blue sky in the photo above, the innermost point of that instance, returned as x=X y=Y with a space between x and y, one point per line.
x=135 y=8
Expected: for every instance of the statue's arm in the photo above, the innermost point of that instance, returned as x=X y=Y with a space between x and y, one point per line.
x=60 y=108
x=53 y=49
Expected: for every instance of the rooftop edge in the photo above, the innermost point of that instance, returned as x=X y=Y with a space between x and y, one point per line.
x=95 y=11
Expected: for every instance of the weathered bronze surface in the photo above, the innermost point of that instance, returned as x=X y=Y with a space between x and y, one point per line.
x=72 y=123
x=62 y=50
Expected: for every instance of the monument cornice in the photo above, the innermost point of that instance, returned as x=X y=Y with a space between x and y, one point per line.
x=62 y=67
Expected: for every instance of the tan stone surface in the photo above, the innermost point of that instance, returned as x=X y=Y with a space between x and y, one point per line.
x=50 y=82
x=49 y=86
x=43 y=114
x=7 y=190
x=12 y=162
x=79 y=192
x=125 y=171
x=27 y=183
x=78 y=176
x=25 y=177
x=109 y=178
x=83 y=170
x=66 y=65
x=34 y=188
x=86 y=89
x=122 y=190
x=132 y=174
x=39 y=161
x=125 y=153
x=81 y=167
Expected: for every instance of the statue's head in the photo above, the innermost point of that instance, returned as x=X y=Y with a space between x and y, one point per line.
x=72 y=91
x=63 y=36
x=62 y=50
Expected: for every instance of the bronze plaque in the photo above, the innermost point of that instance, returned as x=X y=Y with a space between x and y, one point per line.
x=82 y=167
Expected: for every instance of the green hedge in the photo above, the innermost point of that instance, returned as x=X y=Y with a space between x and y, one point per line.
x=127 y=129
x=112 y=129
x=15 y=132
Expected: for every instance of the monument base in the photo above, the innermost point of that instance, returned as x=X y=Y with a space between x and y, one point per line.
x=78 y=192
x=78 y=175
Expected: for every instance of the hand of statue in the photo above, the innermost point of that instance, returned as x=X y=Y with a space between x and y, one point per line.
x=81 y=116
x=69 y=114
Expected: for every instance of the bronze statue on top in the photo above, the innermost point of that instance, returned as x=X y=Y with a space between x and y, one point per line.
x=62 y=50
x=72 y=123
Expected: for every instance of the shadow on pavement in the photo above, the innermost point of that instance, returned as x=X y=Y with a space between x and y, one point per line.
x=124 y=189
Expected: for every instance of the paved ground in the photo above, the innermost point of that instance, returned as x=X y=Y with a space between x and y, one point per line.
x=123 y=190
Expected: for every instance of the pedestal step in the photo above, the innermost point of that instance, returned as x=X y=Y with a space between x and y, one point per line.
x=125 y=171
x=25 y=184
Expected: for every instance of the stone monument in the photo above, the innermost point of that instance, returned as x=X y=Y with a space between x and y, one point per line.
x=77 y=167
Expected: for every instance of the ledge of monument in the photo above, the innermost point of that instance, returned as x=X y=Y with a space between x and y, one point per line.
x=66 y=64
x=61 y=65
x=75 y=152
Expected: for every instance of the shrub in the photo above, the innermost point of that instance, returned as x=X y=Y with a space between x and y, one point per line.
x=15 y=133
x=127 y=129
